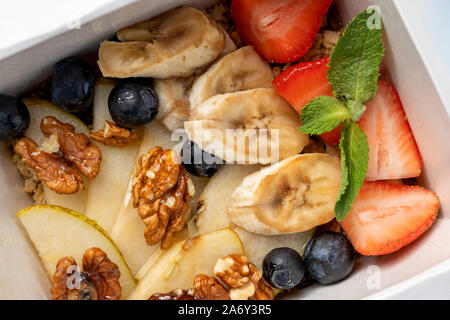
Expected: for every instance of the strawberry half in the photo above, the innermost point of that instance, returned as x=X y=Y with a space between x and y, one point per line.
x=279 y=30
x=393 y=152
x=386 y=217
x=303 y=82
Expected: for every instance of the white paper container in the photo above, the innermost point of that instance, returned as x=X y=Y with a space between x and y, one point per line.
x=421 y=270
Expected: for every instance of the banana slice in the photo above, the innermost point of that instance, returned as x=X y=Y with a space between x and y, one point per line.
x=294 y=195
x=173 y=101
x=229 y=46
x=173 y=94
x=173 y=44
x=240 y=70
x=247 y=127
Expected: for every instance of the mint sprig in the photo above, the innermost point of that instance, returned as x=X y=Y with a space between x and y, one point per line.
x=353 y=75
x=323 y=114
x=355 y=61
x=354 y=161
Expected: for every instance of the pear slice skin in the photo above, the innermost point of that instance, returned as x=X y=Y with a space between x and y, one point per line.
x=38 y=109
x=57 y=232
x=177 y=267
x=108 y=189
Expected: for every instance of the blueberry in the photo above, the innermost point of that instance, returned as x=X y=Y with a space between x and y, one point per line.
x=14 y=118
x=73 y=83
x=132 y=103
x=329 y=257
x=283 y=268
x=198 y=162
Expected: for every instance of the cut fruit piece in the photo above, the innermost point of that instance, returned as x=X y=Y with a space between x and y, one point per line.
x=128 y=229
x=304 y=82
x=386 y=217
x=58 y=232
x=107 y=190
x=177 y=267
x=180 y=236
x=294 y=195
x=281 y=31
x=264 y=128
x=257 y=246
x=39 y=109
x=173 y=98
x=240 y=70
x=393 y=152
x=172 y=44
x=332 y=137
x=211 y=213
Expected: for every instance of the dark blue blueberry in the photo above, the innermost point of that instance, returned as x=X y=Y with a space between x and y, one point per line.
x=133 y=103
x=14 y=118
x=329 y=257
x=198 y=162
x=283 y=268
x=73 y=84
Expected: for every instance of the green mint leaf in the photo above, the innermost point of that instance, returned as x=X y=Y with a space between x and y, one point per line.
x=323 y=114
x=354 y=161
x=356 y=109
x=355 y=61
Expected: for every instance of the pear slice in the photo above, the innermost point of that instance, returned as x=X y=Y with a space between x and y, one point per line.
x=128 y=229
x=177 y=267
x=211 y=207
x=108 y=189
x=39 y=109
x=57 y=232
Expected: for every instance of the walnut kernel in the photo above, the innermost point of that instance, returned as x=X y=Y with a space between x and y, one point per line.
x=98 y=281
x=113 y=135
x=75 y=147
x=55 y=171
x=161 y=194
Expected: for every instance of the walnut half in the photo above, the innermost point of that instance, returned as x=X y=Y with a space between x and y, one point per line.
x=113 y=135
x=161 y=193
x=98 y=281
x=75 y=147
x=241 y=280
x=54 y=170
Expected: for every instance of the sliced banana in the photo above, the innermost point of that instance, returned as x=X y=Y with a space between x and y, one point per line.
x=172 y=44
x=173 y=94
x=229 y=46
x=240 y=70
x=173 y=101
x=247 y=127
x=294 y=195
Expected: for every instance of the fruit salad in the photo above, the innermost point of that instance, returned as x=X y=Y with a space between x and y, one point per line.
x=232 y=153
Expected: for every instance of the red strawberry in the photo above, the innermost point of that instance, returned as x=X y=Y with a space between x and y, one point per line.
x=386 y=217
x=280 y=30
x=303 y=82
x=393 y=152
x=332 y=138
